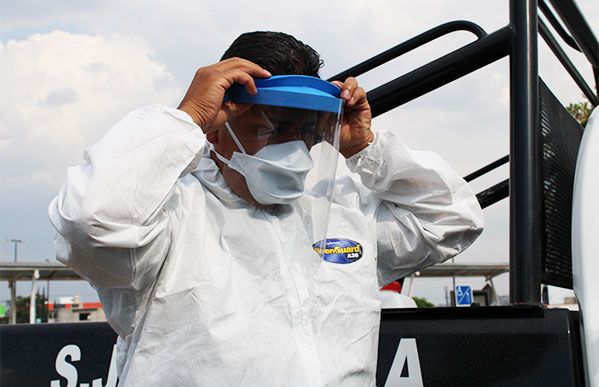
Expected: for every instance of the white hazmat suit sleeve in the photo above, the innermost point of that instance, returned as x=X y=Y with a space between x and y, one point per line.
x=425 y=213
x=110 y=218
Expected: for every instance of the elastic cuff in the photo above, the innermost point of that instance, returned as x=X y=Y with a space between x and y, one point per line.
x=181 y=115
x=372 y=153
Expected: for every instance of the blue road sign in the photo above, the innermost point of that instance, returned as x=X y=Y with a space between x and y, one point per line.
x=463 y=295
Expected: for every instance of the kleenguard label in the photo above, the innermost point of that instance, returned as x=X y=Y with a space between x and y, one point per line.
x=339 y=250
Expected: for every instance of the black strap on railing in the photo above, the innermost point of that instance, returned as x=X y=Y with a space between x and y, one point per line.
x=552 y=19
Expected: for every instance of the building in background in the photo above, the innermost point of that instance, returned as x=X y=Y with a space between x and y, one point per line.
x=71 y=309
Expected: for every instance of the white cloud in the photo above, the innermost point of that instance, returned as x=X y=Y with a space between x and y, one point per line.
x=62 y=91
x=35 y=180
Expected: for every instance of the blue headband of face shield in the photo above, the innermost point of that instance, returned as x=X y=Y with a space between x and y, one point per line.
x=294 y=91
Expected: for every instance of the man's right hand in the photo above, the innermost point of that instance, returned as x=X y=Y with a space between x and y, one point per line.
x=204 y=98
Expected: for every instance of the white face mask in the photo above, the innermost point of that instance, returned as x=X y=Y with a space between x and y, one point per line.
x=276 y=173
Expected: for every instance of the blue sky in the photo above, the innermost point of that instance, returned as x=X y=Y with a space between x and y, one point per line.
x=69 y=70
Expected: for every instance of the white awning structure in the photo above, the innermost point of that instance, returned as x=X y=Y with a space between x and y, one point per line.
x=56 y=271
x=489 y=271
x=23 y=271
x=32 y=271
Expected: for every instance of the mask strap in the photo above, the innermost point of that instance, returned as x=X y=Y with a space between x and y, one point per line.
x=241 y=148
x=218 y=155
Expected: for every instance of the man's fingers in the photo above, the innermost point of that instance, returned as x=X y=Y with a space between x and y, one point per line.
x=358 y=96
x=339 y=84
x=204 y=97
x=243 y=78
x=237 y=70
x=349 y=86
x=238 y=63
x=348 y=89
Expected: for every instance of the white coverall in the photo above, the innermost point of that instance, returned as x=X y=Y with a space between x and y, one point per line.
x=205 y=289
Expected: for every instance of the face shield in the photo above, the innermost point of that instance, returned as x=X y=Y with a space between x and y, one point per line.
x=289 y=116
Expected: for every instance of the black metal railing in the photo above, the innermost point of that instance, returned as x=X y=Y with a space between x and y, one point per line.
x=409 y=45
x=580 y=30
x=525 y=186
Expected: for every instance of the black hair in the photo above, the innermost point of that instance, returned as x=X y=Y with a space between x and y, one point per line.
x=276 y=52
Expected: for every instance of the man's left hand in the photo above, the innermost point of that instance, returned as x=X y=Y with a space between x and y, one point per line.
x=355 y=128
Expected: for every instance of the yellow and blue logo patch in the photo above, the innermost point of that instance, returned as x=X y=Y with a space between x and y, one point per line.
x=338 y=250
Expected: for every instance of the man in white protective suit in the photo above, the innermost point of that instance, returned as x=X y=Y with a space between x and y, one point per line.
x=216 y=265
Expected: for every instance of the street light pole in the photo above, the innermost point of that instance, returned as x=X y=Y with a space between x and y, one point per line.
x=15 y=241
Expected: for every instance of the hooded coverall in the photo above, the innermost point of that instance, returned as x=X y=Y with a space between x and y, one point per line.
x=206 y=289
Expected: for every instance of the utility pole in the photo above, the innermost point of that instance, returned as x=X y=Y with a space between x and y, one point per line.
x=16 y=242
x=48 y=296
x=13 y=301
x=13 y=287
x=453 y=280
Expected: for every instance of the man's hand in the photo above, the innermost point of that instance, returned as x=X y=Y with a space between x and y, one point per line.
x=204 y=98
x=355 y=128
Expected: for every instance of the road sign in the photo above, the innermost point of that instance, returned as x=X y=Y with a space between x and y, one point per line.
x=463 y=295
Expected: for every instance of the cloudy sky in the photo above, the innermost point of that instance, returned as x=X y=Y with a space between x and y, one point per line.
x=70 y=69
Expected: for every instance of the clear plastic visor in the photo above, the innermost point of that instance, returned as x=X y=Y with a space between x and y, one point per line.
x=262 y=125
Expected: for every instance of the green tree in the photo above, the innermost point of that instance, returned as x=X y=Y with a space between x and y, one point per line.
x=423 y=302
x=580 y=111
x=41 y=311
